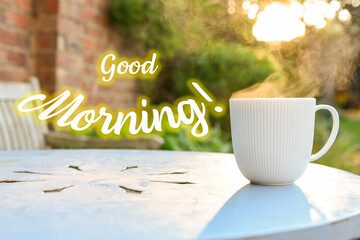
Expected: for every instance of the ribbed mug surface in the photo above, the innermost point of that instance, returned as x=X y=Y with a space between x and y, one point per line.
x=272 y=138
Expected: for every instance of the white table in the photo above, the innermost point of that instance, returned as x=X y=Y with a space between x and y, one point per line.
x=211 y=199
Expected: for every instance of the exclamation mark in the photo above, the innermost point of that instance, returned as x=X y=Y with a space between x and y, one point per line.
x=206 y=96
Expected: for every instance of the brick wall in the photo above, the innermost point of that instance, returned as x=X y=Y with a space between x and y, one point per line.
x=16 y=40
x=83 y=35
x=59 y=41
x=45 y=28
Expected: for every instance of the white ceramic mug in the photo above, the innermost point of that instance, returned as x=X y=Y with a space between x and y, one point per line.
x=273 y=137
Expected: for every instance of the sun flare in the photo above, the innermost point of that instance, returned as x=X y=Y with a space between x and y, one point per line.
x=287 y=21
x=278 y=22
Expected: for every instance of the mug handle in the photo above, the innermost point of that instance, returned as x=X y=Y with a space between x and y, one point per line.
x=333 y=134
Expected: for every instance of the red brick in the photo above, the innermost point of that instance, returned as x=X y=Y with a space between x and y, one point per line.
x=52 y=6
x=49 y=88
x=89 y=58
x=24 y=4
x=88 y=15
x=89 y=2
x=80 y=2
x=89 y=44
x=2 y=57
x=75 y=12
x=73 y=44
x=16 y=58
x=73 y=80
x=2 y=13
x=69 y=61
x=6 y=75
x=101 y=46
x=46 y=40
x=15 y=75
x=47 y=80
x=22 y=40
x=93 y=31
x=101 y=20
x=21 y=75
x=14 y=38
x=71 y=10
x=67 y=26
x=7 y=36
x=46 y=23
x=100 y=99
x=103 y=4
x=45 y=60
x=47 y=75
x=64 y=61
x=47 y=6
x=16 y=19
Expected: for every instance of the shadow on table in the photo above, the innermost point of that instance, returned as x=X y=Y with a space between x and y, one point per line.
x=255 y=209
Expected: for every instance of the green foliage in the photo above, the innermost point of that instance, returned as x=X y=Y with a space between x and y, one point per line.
x=222 y=67
x=180 y=141
x=352 y=126
x=144 y=21
x=344 y=153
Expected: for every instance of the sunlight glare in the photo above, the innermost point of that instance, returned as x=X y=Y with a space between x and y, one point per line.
x=335 y=5
x=355 y=3
x=344 y=15
x=321 y=24
x=278 y=23
x=231 y=7
x=231 y=10
x=312 y=15
x=246 y=5
x=254 y=8
x=297 y=9
x=326 y=10
x=284 y=22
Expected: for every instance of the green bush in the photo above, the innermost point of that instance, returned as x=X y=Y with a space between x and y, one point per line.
x=180 y=141
x=222 y=67
x=344 y=153
x=144 y=21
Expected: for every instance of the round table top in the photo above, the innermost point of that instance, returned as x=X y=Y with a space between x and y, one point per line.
x=120 y=194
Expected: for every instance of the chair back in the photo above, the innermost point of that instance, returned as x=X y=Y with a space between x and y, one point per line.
x=19 y=132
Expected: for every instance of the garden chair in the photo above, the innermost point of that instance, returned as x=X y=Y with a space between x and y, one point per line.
x=18 y=132
x=23 y=133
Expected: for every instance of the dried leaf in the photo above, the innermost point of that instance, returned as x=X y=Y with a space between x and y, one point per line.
x=128 y=167
x=74 y=167
x=172 y=182
x=130 y=190
x=29 y=172
x=17 y=181
x=168 y=173
x=57 y=189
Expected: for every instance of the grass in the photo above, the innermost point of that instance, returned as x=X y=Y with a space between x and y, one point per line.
x=351 y=126
x=345 y=153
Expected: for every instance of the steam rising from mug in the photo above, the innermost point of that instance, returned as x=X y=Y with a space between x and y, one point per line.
x=321 y=69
